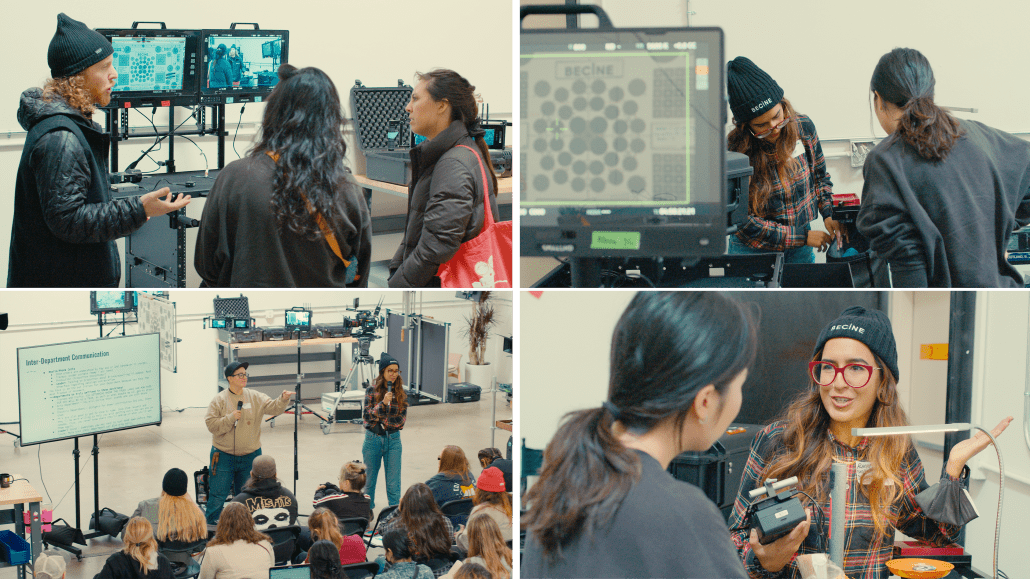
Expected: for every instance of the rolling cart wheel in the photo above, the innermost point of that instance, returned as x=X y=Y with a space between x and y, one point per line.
x=326 y=427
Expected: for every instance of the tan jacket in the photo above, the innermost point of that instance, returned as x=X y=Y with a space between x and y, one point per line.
x=241 y=560
x=220 y=421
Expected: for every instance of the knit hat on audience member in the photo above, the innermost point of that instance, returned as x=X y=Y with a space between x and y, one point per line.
x=264 y=467
x=871 y=327
x=175 y=483
x=751 y=90
x=387 y=360
x=75 y=47
x=50 y=566
x=492 y=480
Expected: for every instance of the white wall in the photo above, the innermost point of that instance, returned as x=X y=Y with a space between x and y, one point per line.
x=49 y=317
x=376 y=42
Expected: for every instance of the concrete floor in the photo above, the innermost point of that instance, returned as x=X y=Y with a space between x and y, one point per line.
x=133 y=462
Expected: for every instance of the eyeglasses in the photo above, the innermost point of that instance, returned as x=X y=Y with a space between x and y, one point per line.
x=244 y=375
x=775 y=127
x=855 y=375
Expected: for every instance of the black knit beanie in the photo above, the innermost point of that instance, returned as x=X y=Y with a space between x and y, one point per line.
x=751 y=90
x=175 y=482
x=871 y=327
x=75 y=47
x=386 y=360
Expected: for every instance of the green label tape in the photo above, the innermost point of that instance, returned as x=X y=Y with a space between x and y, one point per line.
x=625 y=240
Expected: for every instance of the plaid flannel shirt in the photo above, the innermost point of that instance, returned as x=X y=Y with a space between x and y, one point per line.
x=389 y=415
x=865 y=550
x=792 y=206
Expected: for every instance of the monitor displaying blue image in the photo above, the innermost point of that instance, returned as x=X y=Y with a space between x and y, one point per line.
x=241 y=65
x=155 y=67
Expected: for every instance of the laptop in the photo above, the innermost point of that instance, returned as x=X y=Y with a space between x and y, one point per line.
x=294 y=572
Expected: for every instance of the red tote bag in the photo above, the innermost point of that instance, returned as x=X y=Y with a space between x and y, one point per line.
x=486 y=260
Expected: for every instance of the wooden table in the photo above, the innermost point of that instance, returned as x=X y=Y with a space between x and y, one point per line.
x=503 y=187
x=18 y=494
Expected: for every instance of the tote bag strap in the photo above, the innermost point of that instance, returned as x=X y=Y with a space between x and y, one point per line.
x=486 y=189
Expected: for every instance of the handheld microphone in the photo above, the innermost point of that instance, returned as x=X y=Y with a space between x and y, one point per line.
x=239 y=406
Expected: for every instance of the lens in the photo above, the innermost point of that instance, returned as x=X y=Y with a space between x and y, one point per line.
x=823 y=373
x=857 y=376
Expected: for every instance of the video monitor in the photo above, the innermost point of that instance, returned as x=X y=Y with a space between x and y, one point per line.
x=218 y=323
x=158 y=67
x=241 y=66
x=298 y=319
x=622 y=142
x=102 y=302
x=241 y=324
x=493 y=135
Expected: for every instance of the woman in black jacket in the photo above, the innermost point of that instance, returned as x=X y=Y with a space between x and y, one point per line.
x=139 y=558
x=445 y=196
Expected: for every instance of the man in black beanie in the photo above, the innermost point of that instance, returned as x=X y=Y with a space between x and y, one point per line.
x=65 y=221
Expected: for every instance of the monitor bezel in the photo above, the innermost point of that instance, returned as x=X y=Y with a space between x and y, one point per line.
x=210 y=96
x=187 y=96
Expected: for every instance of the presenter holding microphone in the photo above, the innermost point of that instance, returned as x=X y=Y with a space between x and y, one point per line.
x=234 y=419
x=386 y=410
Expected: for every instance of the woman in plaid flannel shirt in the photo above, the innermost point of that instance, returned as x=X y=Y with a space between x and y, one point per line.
x=790 y=187
x=384 y=414
x=852 y=374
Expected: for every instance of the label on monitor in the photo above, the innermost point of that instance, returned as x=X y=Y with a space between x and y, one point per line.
x=625 y=240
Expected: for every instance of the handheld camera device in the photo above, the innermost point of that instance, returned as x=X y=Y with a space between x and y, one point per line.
x=776 y=515
x=298 y=319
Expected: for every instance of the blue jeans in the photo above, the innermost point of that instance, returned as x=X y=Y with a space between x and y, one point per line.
x=230 y=473
x=803 y=254
x=388 y=450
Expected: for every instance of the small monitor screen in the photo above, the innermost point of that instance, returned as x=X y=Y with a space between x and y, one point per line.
x=295 y=572
x=622 y=135
x=240 y=323
x=298 y=319
x=110 y=301
x=241 y=65
x=217 y=322
x=154 y=66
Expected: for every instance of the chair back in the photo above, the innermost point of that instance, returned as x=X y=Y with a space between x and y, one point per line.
x=454 y=366
x=382 y=514
x=284 y=542
x=361 y=570
x=458 y=510
x=353 y=526
x=180 y=554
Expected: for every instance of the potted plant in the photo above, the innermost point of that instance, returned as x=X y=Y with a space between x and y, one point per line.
x=477 y=370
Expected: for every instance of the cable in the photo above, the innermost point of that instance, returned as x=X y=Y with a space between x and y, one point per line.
x=1001 y=496
x=243 y=108
x=206 y=167
x=39 y=447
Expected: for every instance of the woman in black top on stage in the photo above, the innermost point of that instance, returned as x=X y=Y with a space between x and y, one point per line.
x=604 y=505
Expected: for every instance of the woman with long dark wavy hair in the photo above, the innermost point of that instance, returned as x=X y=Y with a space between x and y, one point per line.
x=604 y=505
x=384 y=415
x=941 y=195
x=429 y=532
x=446 y=192
x=790 y=187
x=289 y=214
x=853 y=384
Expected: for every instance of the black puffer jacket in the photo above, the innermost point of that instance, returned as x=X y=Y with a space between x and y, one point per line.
x=65 y=221
x=445 y=206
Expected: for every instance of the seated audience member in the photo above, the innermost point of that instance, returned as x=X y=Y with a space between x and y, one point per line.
x=238 y=550
x=289 y=214
x=324 y=561
x=492 y=499
x=346 y=501
x=139 y=557
x=453 y=479
x=50 y=566
x=429 y=532
x=268 y=501
x=469 y=571
x=324 y=526
x=178 y=517
x=487 y=546
x=399 y=563
x=492 y=457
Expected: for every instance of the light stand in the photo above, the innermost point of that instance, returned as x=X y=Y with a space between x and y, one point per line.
x=957 y=427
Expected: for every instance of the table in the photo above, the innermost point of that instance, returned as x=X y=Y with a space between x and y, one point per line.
x=18 y=494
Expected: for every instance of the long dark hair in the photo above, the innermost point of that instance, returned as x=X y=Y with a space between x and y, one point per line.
x=324 y=558
x=421 y=517
x=769 y=159
x=667 y=346
x=443 y=84
x=804 y=450
x=904 y=78
x=303 y=128
x=399 y=397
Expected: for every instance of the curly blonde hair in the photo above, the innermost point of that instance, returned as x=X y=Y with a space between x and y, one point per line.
x=72 y=89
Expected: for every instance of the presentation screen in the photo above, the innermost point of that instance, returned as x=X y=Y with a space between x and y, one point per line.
x=90 y=387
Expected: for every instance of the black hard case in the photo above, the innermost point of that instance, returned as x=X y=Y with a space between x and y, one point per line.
x=373 y=108
x=463 y=392
x=717 y=471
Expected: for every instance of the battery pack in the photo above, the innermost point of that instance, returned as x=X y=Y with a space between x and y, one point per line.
x=775 y=517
